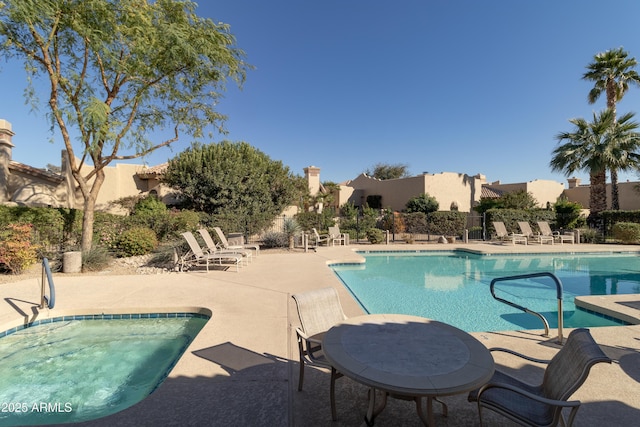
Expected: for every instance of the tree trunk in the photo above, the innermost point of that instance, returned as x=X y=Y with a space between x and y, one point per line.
x=90 y=198
x=615 y=194
x=87 y=224
x=598 y=192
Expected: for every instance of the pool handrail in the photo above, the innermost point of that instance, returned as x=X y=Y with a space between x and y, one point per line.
x=50 y=301
x=558 y=284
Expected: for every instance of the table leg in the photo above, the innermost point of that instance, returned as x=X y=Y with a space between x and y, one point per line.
x=429 y=419
x=372 y=412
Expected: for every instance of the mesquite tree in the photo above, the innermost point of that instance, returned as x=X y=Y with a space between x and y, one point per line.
x=125 y=77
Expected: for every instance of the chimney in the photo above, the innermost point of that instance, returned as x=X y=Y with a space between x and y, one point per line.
x=6 y=148
x=312 y=174
x=573 y=182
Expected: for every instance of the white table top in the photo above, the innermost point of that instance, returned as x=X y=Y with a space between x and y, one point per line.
x=408 y=355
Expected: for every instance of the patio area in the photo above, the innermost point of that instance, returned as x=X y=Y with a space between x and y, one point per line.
x=242 y=369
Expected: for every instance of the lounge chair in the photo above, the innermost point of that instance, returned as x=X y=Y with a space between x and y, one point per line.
x=213 y=248
x=197 y=256
x=318 y=311
x=545 y=230
x=336 y=236
x=225 y=243
x=529 y=234
x=319 y=239
x=542 y=405
x=503 y=235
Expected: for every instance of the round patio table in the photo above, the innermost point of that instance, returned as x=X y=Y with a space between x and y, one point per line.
x=407 y=357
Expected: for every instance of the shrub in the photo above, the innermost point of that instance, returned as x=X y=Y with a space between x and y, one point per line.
x=446 y=223
x=96 y=259
x=375 y=236
x=136 y=241
x=17 y=252
x=423 y=203
x=275 y=239
x=627 y=232
x=589 y=235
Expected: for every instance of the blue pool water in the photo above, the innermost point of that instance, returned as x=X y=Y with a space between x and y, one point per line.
x=69 y=371
x=453 y=286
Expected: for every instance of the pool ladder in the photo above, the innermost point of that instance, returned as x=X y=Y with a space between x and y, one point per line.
x=49 y=301
x=526 y=310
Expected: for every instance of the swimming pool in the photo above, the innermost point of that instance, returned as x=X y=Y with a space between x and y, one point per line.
x=453 y=286
x=78 y=368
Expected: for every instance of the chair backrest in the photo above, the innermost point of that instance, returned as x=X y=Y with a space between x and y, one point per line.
x=334 y=231
x=315 y=233
x=501 y=230
x=545 y=229
x=221 y=236
x=570 y=367
x=525 y=228
x=318 y=310
x=207 y=239
x=193 y=244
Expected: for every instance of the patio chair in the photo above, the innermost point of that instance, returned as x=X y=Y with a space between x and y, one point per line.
x=545 y=230
x=529 y=234
x=319 y=239
x=542 y=405
x=318 y=311
x=225 y=243
x=336 y=236
x=503 y=235
x=213 y=248
x=197 y=256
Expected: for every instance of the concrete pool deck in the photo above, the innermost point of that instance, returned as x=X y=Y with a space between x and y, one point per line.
x=242 y=369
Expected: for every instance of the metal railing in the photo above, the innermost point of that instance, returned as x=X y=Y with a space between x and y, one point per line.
x=49 y=301
x=558 y=284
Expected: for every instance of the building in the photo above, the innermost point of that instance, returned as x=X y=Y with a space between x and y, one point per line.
x=26 y=185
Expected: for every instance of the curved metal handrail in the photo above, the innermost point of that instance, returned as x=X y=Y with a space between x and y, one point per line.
x=50 y=302
x=526 y=310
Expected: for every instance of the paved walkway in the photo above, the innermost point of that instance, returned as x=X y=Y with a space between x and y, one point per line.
x=241 y=370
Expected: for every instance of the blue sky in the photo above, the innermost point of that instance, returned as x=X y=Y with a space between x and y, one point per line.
x=455 y=86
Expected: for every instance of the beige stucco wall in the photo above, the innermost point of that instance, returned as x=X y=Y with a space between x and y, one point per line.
x=629 y=195
x=445 y=187
x=543 y=190
x=121 y=180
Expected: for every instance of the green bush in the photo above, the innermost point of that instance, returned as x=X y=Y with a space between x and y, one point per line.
x=423 y=203
x=627 y=232
x=136 y=241
x=446 y=223
x=375 y=236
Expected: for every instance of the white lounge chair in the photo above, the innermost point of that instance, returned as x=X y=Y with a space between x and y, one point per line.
x=336 y=236
x=213 y=248
x=502 y=234
x=545 y=229
x=319 y=239
x=197 y=256
x=529 y=234
x=225 y=243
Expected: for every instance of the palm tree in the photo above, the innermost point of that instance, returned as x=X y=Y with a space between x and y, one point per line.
x=612 y=71
x=586 y=149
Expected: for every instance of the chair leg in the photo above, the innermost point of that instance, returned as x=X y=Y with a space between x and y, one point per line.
x=301 y=376
x=332 y=394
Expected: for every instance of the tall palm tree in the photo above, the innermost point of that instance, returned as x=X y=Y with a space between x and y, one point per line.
x=612 y=72
x=586 y=149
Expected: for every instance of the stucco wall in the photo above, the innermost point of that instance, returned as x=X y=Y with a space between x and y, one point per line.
x=629 y=195
x=445 y=187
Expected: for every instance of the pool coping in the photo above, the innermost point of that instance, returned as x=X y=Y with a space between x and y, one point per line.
x=47 y=316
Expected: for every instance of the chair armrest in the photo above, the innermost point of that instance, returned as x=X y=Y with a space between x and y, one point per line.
x=552 y=402
x=523 y=356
